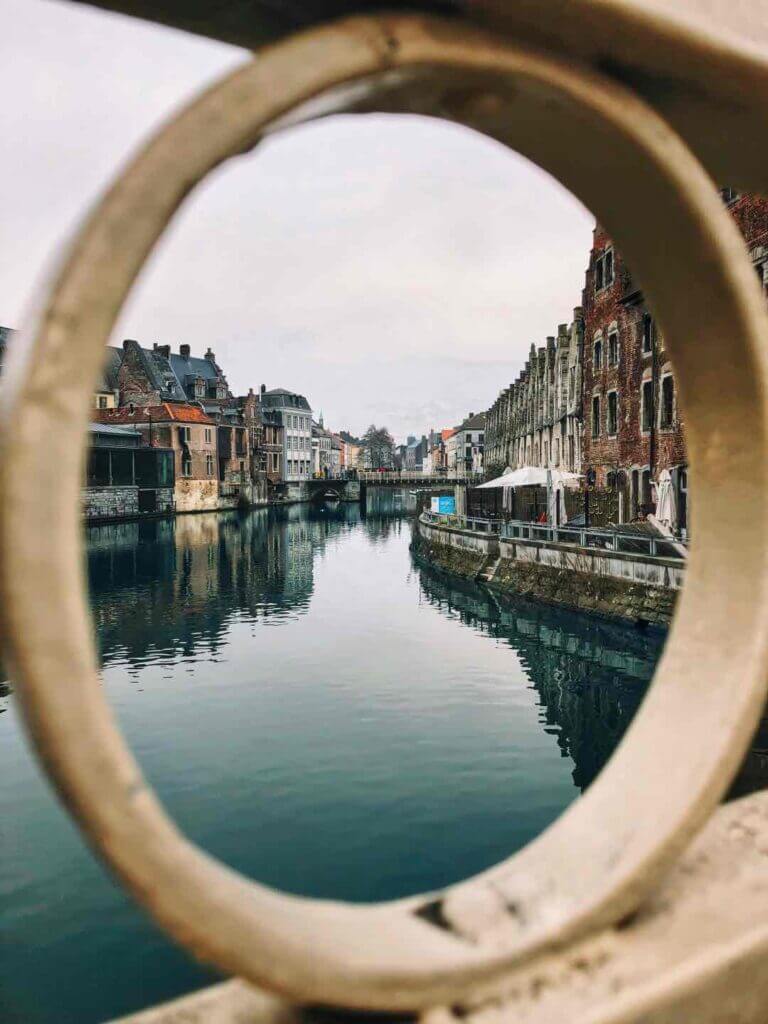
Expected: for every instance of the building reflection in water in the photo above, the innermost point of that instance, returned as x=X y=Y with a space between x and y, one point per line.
x=590 y=674
x=173 y=585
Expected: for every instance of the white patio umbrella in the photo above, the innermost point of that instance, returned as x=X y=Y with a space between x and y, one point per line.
x=666 y=504
x=531 y=476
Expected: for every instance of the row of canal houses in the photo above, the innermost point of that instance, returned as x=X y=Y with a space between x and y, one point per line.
x=600 y=397
x=168 y=435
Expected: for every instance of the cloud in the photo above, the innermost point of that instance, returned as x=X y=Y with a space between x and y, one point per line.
x=394 y=269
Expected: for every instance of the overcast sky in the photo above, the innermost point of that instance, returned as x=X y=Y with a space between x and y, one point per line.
x=394 y=270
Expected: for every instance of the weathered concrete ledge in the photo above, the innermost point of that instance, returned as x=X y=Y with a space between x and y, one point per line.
x=695 y=952
x=617 y=585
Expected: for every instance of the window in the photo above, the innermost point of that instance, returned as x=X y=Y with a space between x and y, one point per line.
x=102 y=402
x=729 y=194
x=647 y=333
x=596 y=416
x=604 y=270
x=186 y=463
x=597 y=359
x=667 y=402
x=185 y=435
x=608 y=264
x=646 y=402
x=208 y=435
x=599 y=272
x=98 y=468
x=613 y=413
x=209 y=465
x=613 y=348
x=122 y=468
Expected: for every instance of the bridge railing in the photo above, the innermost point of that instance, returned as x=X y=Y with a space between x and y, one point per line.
x=412 y=477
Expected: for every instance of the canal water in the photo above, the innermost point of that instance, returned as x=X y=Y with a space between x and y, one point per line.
x=316 y=710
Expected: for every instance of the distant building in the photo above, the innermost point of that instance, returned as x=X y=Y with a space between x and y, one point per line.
x=352 y=450
x=468 y=444
x=294 y=415
x=271 y=450
x=536 y=421
x=322 y=446
x=415 y=453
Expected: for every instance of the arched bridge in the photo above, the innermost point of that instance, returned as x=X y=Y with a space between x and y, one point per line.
x=333 y=490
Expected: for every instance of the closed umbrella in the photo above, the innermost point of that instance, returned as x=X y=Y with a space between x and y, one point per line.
x=666 y=505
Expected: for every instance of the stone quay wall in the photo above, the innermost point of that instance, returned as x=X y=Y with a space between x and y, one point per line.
x=110 y=503
x=630 y=588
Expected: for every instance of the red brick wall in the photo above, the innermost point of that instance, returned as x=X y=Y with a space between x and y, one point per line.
x=623 y=303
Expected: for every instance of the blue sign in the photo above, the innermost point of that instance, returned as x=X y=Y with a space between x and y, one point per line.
x=444 y=505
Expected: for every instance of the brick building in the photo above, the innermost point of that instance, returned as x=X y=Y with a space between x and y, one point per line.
x=633 y=429
x=151 y=377
x=190 y=434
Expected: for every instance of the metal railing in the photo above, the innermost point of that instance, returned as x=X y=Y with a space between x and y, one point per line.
x=487 y=526
x=601 y=539
x=580 y=537
x=394 y=476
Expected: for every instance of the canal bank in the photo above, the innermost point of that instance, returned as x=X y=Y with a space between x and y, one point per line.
x=626 y=586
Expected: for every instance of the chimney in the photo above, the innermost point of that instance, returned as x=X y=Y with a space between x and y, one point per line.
x=127 y=342
x=263 y=389
x=184 y=351
x=210 y=356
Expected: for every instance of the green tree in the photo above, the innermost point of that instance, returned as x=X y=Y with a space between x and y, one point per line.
x=378 y=446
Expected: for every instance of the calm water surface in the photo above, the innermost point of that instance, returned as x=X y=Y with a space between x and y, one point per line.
x=317 y=711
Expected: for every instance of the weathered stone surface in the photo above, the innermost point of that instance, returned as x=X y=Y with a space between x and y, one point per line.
x=580 y=591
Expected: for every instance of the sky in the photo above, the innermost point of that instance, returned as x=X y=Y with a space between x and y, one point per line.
x=395 y=270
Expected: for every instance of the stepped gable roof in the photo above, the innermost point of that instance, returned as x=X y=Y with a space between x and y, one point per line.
x=160 y=373
x=164 y=413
